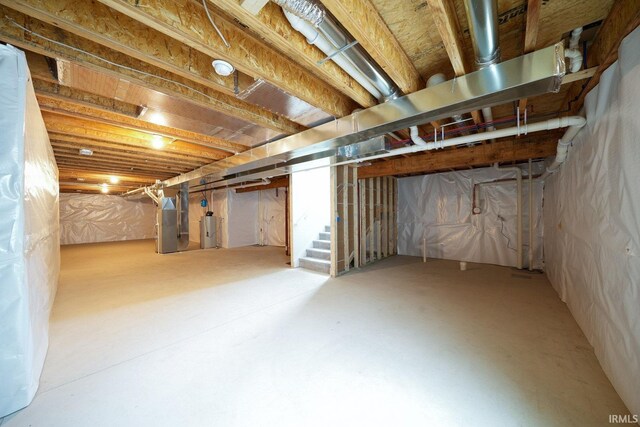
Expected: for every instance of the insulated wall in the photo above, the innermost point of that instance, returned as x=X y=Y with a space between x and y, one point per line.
x=29 y=234
x=438 y=208
x=91 y=218
x=592 y=223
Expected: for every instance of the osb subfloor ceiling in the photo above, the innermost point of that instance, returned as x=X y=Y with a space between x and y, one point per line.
x=131 y=80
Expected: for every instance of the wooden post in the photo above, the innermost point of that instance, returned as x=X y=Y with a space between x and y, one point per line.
x=383 y=220
x=355 y=217
x=379 y=218
x=345 y=216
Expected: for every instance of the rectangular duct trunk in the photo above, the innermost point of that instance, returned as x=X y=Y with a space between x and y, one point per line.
x=523 y=77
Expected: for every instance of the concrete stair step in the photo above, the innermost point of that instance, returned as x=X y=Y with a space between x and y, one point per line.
x=319 y=253
x=322 y=244
x=319 y=265
x=325 y=236
x=327 y=228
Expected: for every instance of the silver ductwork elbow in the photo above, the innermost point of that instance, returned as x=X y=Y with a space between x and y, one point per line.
x=305 y=9
x=482 y=16
x=334 y=38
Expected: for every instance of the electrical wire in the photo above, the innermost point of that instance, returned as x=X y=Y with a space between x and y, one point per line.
x=206 y=9
x=505 y=236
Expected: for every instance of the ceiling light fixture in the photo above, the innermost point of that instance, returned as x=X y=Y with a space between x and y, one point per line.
x=85 y=152
x=157 y=118
x=114 y=179
x=105 y=188
x=157 y=142
x=222 y=67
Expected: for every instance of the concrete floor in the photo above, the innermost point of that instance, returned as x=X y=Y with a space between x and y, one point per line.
x=236 y=338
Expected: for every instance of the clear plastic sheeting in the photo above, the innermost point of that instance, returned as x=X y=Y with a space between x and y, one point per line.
x=592 y=224
x=271 y=221
x=29 y=235
x=90 y=218
x=438 y=207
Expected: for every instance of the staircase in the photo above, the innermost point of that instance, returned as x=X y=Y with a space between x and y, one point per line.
x=319 y=256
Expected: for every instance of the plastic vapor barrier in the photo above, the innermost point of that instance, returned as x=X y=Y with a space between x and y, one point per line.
x=592 y=223
x=439 y=206
x=272 y=205
x=29 y=234
x=89 y=218
x=243 y=218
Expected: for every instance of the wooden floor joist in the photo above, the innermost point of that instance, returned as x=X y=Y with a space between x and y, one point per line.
x=186 y=21
x=623 y=18
x=70 y=102
x=361 y=19
x=64 y=124
x=274 y=28
x=483 y=154
x=87 y=54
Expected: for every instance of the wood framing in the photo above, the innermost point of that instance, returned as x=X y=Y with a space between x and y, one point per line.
x=70 y=102
x=279 y=182
x=478 y=155
x=53 y=42
x=186 y=21
x=531 y=34
x=67 y=125
x=623 y=18
x=274 y=28
x=377 y=218
x=364 y=23
x=444 y=15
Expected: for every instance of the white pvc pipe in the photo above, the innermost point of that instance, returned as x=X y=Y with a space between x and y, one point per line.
x=518 y=173
x=321 y=42
x=575 y=57
x=573 y=52
x=563 y=147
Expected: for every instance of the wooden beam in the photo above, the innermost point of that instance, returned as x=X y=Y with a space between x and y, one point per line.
x=94 y=144
x=361 y=19
x=133 y=157
x=51 y=90
x=580 y=75
x=68 y=125
x=187 y=21
x=531 y=35
x=99 y=157
x=446 y=19
x=253 y=6
x=67 y=174
x=92 y=188
x=96 y=22
x=57 y=45
x=110 y=169
x=623 y=18
x=272 y=26
x=279 y=182
x=501 y=151
x=71 y=102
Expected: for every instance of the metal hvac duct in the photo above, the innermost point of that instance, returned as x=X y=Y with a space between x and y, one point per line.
x=526 y=76
x=317 y=16
x=482 y=16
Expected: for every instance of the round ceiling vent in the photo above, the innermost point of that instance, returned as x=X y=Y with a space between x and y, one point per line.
x=222 y=67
